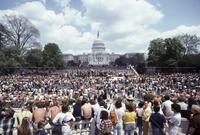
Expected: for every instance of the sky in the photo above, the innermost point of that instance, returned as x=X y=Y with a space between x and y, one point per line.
x=125 y=26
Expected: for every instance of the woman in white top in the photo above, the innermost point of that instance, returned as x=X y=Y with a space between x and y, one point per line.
x=119 y=110
x=175 y=120
x=63 y=118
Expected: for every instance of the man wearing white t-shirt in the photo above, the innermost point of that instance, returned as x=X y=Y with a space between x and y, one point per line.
x=166 y=106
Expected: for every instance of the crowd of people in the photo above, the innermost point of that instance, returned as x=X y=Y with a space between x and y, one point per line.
x=114 y=101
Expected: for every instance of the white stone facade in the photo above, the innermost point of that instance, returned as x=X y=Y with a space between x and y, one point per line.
x=68 y=57
x=97 y=57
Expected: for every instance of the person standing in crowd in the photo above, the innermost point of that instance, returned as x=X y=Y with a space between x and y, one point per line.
x=139 y=111
x=8 y=122
x=174 y=120
x=53 y=110
x=194 y=123
x=41 y=130
x=24 y=113
x=119 y=110
x=129 y=120
x=157 y=121
x=86 y=110
x=77 y=110
x=39 y=113
x=166 y=106
x=105 y=124
x=102 y=107
x=25 y=127
x=145 y=117
x=62 y=119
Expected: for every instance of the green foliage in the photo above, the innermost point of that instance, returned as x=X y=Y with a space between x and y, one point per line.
x=34 y=58
x=121 y=61
x=9 y=59
x=191 y=60
x=156 y=52
x=52 y=56
x=135 y=60
x=165 y=53
x=71 y=63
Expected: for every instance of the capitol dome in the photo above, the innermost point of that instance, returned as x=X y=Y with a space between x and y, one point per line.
x=98 y=46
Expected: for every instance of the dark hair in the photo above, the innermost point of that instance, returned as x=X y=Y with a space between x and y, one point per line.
x=78 y=102
x=141 y=104
x=84 y=101
x=65 y=108
x=156 y=108
x=129 y=107
x=102 y=103
x=92 y=102
x=104 y=115
x=176 y=107
x=118 y=104
x=166 y=97
x=41 y=124
x=9 y=112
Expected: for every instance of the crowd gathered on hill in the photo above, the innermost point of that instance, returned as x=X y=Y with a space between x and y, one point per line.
x=115 y=102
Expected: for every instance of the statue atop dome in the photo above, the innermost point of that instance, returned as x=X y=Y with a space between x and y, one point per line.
x=97 y=34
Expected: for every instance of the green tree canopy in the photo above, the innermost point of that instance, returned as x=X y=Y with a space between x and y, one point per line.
x=9 y=59
x=121 y=61
x=52 y=56
x=165 y=52
x=34 y=58
x=156 y=52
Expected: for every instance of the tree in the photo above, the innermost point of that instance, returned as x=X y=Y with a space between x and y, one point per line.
x=190 y=60
x=174 y=51
x=121 y=61
x=20 y=32
x=72 y=63
x=190 y=42
x=9 y=59
x=137 y=59
x=34 y=58
x=3 y=40
x=165 y=53
x=156 y=51
x=52 y=56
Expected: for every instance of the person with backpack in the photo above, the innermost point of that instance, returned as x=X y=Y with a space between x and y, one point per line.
x=129 y=120
x=106 y=124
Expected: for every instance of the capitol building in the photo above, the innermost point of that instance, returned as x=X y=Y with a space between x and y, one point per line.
x=97 y=57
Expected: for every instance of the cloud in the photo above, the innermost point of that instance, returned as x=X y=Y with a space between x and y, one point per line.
x=124 y=26
x=182 y=29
